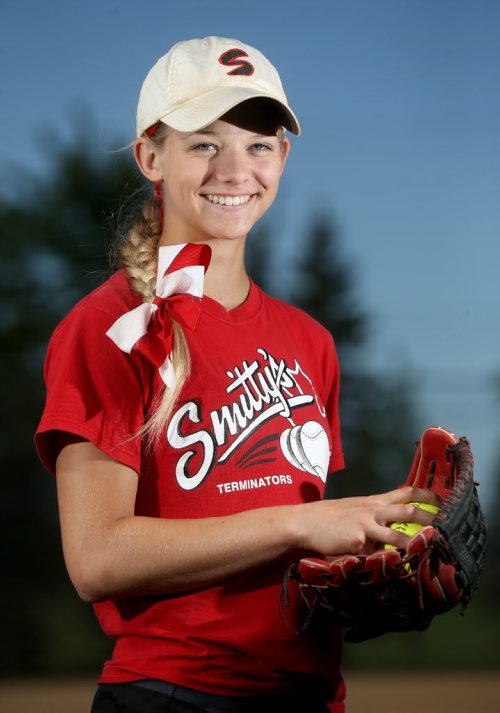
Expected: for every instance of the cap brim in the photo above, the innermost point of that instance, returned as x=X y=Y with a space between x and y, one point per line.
x=203 y=110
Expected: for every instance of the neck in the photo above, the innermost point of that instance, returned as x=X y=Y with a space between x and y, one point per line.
x=226 y=280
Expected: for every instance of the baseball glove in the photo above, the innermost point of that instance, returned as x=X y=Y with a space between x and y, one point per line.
x=402 y=590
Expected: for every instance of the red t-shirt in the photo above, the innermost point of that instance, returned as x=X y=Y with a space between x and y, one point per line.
x=256 y=425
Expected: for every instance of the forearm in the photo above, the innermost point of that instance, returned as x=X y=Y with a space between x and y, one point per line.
x=110 y=551
x=154 y=555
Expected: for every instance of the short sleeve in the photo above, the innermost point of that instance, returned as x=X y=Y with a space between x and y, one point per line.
x=94 y=391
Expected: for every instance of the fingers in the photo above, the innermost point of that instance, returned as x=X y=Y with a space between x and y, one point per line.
x=388 y=536
x=407 y=494
x=399 y=509
x=405 y=512
x=420 y=495
x=357 y=524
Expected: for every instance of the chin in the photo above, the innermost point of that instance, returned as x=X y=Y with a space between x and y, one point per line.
x=229 y=233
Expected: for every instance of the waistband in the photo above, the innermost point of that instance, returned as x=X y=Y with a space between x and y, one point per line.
x=212 y=703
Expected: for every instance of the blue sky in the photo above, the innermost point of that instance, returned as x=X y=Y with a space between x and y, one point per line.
x=400 y=107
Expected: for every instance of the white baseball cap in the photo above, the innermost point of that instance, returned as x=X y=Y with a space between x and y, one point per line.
x=199 y=80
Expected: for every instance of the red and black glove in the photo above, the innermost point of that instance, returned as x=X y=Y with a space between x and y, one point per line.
x=402 y=590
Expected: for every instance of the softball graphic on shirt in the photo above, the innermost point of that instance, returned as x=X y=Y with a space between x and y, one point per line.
x=306 y=447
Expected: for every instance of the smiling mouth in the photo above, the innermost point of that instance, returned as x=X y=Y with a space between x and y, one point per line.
x=228 y=200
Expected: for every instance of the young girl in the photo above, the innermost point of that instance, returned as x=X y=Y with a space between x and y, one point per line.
x=191 y=420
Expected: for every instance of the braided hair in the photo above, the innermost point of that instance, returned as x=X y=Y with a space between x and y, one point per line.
x=137 y=254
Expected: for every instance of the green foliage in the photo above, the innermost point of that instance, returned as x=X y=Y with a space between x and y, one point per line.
x=52 y=252
x=324 y=286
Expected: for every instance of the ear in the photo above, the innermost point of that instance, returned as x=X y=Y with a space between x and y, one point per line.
x=147 y=159
x=285 y=150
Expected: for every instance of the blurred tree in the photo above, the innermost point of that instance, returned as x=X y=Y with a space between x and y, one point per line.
x=258 y=247
x=377 y=415
x=52 y=252
x=489 y=586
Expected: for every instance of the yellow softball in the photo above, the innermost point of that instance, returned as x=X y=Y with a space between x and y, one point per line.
x=411 y=528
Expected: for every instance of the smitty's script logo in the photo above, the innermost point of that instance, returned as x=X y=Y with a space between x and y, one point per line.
x=262 y=389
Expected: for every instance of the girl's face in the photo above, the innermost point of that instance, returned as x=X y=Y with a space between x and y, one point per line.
x=219 y=181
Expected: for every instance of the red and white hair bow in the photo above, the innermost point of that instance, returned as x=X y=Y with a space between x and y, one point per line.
x=148 y=329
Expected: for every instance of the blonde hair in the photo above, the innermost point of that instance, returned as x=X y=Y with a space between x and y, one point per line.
x=137 y=254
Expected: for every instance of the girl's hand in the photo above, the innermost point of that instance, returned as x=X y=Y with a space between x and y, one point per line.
x=360 y=524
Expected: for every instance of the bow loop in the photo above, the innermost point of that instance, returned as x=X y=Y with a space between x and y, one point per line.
x=191 y=254
x=148 y=328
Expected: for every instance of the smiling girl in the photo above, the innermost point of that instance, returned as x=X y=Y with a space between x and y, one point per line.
x=191 y=420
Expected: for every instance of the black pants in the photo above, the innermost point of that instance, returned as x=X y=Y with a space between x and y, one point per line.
x=144 y=697
x=128 y=698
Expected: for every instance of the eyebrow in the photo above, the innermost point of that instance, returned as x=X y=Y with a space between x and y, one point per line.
x=211 y=132
x=201 y=132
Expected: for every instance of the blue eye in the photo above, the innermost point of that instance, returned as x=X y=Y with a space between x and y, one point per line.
x=203 y=147
x=261 y=147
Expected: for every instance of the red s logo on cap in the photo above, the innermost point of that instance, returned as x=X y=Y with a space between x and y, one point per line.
x=230 y=58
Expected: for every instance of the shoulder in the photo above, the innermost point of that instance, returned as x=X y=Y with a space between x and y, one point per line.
x=297 y=319
x=80 y=342
x=104 y=304
x=113 y=297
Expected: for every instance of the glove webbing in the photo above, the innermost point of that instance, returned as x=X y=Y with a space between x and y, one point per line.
x=461 y=523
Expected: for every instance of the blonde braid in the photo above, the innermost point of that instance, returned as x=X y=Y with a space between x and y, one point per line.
x=138 y=255
x=139 y=252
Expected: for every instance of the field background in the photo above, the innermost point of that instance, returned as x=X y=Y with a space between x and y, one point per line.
x=460 y=692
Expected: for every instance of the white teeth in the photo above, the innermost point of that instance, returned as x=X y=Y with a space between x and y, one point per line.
x=228 y=200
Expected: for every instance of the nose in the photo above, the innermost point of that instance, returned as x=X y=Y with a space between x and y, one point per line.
x=231 y=166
